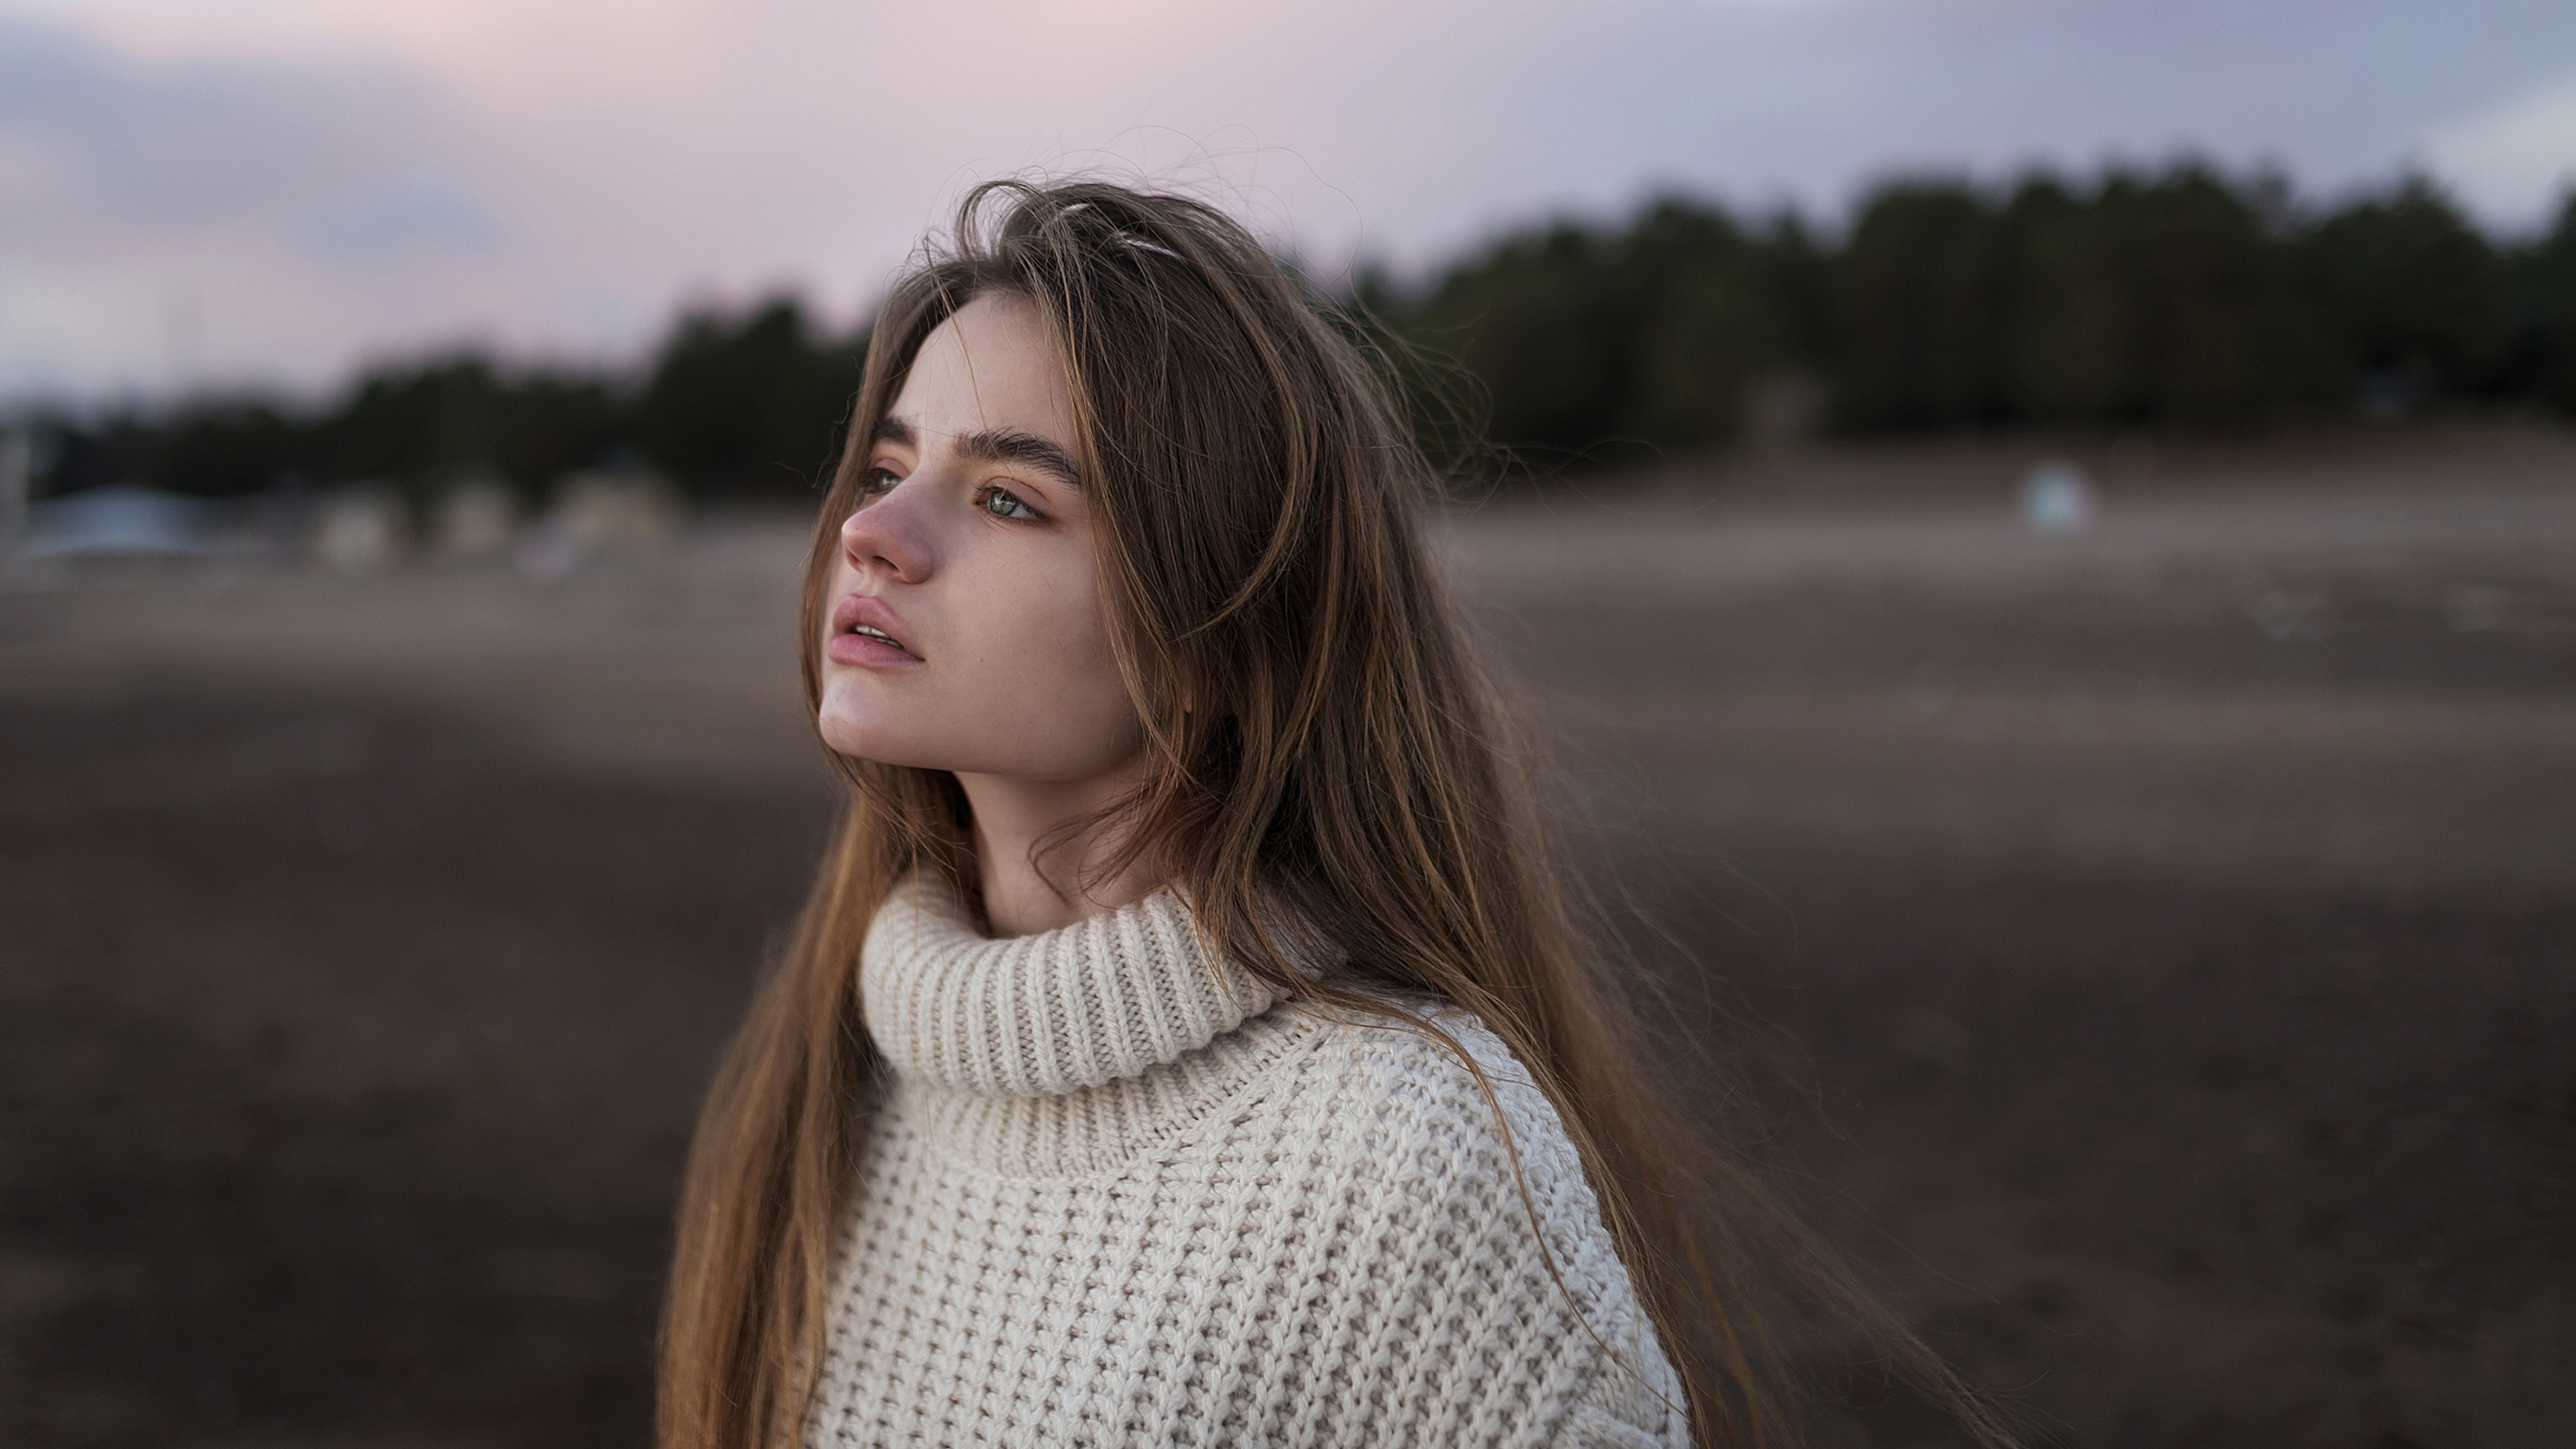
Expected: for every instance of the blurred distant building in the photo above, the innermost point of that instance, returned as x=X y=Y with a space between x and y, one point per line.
x=281 y=518
x=360 y=529
x=614 y=509
x=17 y=476
x=127 y=521
x=475 y=518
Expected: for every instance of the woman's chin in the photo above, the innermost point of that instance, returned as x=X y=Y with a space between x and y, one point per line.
x=861 y=737
x=879 y=741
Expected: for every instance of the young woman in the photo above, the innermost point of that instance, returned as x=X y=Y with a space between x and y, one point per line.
x=1185 y=1041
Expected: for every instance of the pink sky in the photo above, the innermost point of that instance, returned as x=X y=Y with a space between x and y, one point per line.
x=199 y=193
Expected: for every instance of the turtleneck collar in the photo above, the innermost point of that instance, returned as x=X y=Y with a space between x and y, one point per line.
x=1109 y=997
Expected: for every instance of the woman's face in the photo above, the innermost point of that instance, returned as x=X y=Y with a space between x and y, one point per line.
x=964 y=627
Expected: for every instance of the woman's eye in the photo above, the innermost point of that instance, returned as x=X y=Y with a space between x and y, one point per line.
x=1002 y=503
x=878 y=480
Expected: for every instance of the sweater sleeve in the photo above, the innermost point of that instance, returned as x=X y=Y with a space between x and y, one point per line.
x=1482 y=1316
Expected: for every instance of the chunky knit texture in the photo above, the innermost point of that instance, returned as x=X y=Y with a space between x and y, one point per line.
x=1114 y=1194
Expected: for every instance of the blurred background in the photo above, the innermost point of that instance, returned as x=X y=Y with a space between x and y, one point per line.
x=2043 y=533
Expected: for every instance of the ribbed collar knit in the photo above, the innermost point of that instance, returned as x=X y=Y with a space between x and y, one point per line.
x=1107 y=998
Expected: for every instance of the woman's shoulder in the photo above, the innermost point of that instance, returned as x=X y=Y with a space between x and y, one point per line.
x=1462 y=1175
x=1426 y=1105
x=1437 y=1071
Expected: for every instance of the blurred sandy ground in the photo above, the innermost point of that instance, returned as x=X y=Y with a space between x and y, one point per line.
x=2163 y=932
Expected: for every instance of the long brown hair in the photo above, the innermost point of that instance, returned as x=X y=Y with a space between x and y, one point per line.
x=1317 y=729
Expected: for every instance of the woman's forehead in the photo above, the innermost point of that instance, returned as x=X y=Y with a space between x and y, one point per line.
x=988 y=367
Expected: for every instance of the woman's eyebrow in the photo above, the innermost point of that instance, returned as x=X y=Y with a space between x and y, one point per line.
x=892 y=430
x=1010 y=445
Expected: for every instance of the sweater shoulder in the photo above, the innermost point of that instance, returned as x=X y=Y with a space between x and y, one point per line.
x=1477 y=1155
x=1422 y=1077
x=1475 y=1134
x=1465 y=1102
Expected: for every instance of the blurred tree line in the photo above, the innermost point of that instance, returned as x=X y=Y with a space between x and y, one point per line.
x=737 y=404
x=2174 y=298
x=2180 y=297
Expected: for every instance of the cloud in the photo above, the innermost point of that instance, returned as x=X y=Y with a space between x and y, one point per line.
x=106 y=144
x=405 y=218
x=2517 y=160
x=297 y=204
x=330 y=179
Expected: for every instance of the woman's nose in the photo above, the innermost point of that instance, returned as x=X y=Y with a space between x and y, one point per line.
x=885 y=535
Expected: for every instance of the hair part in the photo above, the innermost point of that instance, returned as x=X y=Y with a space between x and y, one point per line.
x=1319 y=736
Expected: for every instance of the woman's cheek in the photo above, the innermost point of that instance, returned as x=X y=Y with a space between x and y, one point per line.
x=1088 y=697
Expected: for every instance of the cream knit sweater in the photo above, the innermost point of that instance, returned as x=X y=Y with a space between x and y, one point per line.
x=1114 y=1194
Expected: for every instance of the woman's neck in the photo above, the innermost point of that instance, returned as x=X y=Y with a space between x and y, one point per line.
x=1040 y=846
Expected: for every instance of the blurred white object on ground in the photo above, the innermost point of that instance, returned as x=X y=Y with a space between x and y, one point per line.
x=2056 y=497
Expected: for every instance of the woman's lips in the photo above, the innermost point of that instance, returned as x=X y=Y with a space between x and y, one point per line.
x=886 y=644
